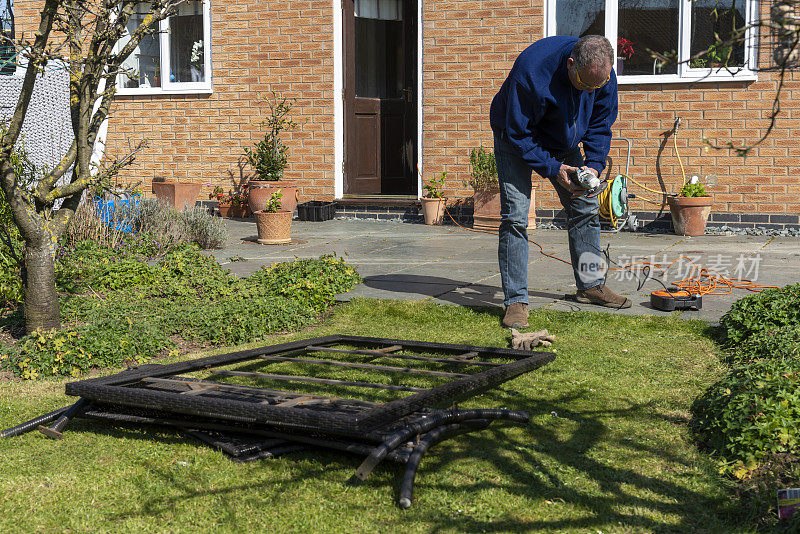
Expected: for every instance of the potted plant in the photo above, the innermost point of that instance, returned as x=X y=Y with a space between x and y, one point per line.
x=269 y=158
x=433 y=202
x=719 y=55
x=624 y=51
x=690 y=209
x=274 y=223
x=486 y=198
x=180 y=195
x=230 y=204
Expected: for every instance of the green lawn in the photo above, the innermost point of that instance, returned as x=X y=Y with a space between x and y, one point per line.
x=607 y=449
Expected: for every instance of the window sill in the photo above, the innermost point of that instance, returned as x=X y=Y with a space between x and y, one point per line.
x=163 y=92
x=718 y=75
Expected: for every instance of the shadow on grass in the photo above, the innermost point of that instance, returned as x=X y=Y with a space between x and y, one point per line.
x=551 y=464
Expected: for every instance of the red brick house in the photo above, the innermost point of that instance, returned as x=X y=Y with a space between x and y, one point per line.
x=385 y=86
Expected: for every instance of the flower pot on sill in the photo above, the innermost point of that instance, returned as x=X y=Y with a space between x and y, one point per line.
x=486 y=214
x=690 y=214
x=178 y=195
x=274 y=228
x=620 y=64
x=433 y=210
x=259 y=192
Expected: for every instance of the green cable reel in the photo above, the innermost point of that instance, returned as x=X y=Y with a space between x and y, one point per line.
x=619 y=195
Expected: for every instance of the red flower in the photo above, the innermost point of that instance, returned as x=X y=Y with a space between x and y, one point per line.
x=624 y=47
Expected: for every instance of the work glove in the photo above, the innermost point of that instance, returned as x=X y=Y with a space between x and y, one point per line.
x=528 y=341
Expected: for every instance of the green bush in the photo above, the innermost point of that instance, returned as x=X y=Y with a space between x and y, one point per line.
x=73 y=351
x=764 y=325
x=312 y=282
x=127 y=307
x=170 y=226
x=754 y=411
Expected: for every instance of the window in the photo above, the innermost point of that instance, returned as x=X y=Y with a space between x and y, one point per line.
x=7 y=49
x=174 y=59
x=675 y=28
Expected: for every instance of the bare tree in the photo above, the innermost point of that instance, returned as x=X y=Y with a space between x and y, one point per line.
x=83 y=35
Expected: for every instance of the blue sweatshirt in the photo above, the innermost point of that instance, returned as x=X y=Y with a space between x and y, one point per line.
x=543 y=114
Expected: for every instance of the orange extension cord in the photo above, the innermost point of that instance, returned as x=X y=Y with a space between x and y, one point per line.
x=705 y=282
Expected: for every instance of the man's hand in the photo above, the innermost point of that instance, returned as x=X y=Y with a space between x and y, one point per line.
x=564 y=179
x=593 y=170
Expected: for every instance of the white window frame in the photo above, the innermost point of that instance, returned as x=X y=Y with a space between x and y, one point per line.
x=170 y=87
x=685 y=73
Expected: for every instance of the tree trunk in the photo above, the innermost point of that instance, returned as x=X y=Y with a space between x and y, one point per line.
x=41 y=299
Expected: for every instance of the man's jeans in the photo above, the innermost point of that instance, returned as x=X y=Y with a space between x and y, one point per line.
x=583 y=224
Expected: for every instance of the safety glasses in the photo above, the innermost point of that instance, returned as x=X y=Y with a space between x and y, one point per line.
x=588 y=87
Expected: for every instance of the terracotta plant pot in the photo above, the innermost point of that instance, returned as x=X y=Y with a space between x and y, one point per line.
x=433 y=210
x=259 y=192
x=224 y=210
x=486 y=214
x=274 y=228
x=227 y=210
x=690 y=214
x=178 y=195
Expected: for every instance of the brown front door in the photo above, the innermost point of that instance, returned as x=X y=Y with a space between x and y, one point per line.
x=380 y=101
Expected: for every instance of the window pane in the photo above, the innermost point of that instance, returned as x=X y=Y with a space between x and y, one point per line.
x=7 y=49
x=186 y=46
x=643 y=25
x=580 y=17
x=379 y=49
x=144 y=63
x=720 y=17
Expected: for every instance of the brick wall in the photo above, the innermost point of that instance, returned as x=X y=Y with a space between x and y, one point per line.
x=468 y=48
x=257 y=46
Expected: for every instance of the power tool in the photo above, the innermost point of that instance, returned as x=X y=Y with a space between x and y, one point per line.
x=593 y=185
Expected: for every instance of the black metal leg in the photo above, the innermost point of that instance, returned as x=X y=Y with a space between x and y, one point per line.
x=420 y=426
x=27 y=426
x=434 y=436
x=54 y=432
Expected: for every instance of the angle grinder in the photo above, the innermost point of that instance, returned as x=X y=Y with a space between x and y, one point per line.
x=591 y=183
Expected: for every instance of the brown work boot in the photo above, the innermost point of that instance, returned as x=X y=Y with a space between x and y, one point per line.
x=516 y=316
x=602 y=296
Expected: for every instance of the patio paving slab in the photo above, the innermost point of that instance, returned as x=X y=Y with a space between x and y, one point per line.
x=450 y=265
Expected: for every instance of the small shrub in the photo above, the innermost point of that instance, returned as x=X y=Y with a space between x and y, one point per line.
x=87 y=224
x=171 y=226
x=754 y=411
x=768 y=312
x=73 y=351
x=433 y=187
x=484 y=170
x=313 y=282
x=693 y=190
x=203 y=228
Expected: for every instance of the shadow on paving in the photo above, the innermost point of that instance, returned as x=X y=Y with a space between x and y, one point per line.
x=448 y=290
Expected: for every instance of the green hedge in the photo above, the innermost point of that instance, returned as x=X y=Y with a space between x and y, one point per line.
x=122 y=307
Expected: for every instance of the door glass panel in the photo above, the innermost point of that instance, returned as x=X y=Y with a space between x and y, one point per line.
x=186 y=47
x=719 y=17
x=580 y=17
x=379 y=48
x=643 y=25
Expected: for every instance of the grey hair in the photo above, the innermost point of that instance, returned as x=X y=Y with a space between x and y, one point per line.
x=592 y=50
